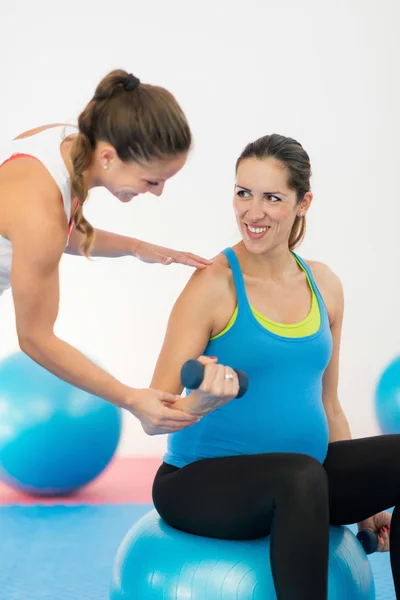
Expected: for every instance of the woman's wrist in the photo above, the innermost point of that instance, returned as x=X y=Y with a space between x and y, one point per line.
x=123 y=396
x=190 y=404
x=135 y=246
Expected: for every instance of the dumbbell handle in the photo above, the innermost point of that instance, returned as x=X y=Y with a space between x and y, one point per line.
x=192 y=374
x=368 y=540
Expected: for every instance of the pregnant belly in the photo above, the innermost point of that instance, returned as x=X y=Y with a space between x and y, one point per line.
x=302 y=431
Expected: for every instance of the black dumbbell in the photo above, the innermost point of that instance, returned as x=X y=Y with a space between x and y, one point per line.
x=368 y=540
x=192 y=374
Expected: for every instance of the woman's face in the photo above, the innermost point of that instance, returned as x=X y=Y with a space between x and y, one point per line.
x=127 y=180
x=265 y=207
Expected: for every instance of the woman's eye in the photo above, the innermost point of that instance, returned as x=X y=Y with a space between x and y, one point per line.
x=273 y=198
x=152 y=182
x=242 y=193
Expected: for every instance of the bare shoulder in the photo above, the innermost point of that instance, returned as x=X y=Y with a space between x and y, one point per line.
x=324 y=274
x=30 y=199
x=214 y=280
x=330 y=286
x=27 y=190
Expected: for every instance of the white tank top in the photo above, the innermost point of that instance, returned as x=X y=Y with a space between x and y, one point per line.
x=45 y=146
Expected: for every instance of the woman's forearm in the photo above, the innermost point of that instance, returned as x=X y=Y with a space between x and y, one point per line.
x=106 y=244
x=339 y=428
x=72 y=366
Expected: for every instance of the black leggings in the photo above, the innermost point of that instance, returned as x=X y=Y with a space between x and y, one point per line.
x=291 y=497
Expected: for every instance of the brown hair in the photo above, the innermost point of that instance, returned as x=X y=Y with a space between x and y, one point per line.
x=142 y=122
x=291 y=154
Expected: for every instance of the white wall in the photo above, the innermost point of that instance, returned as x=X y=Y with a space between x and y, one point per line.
x=325 y=73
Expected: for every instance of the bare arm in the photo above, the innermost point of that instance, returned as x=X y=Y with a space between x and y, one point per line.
x=37 y=248
x=106 y=244
x=189 y=329
x=38 y=232
x=338 y=425
x=112 y=245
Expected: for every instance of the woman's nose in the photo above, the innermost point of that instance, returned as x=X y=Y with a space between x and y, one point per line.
x=157 y=190
x=256 y=212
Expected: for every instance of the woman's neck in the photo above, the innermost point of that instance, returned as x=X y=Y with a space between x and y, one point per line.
x=276 y=264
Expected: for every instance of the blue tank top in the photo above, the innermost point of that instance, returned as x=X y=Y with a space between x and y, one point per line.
x=282 y=410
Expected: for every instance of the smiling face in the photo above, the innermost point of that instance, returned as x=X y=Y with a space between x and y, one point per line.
x=125 y=180
x=265 y=206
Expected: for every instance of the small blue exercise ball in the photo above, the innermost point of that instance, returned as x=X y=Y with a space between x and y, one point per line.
x=158 y=562
x=387 y=398
x=54 y=438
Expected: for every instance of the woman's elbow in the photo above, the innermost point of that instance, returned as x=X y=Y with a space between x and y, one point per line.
x=31 y=342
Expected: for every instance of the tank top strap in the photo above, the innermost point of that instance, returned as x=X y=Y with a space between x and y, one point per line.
x=237 y=278
x=324 y=311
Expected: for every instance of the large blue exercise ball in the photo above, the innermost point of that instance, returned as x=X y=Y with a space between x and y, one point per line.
x=54 y=438
x=157 y=562
x=387 y=398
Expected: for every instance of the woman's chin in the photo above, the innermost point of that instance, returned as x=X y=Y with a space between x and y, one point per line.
x=125 y=197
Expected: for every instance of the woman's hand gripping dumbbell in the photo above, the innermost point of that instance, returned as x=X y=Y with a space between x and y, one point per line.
x=212 y=385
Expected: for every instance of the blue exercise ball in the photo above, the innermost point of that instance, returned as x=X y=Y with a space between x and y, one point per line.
x=54 y=438
x=387 y=398
x=157 y=562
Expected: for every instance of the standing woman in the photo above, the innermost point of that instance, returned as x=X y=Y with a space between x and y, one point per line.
x=130 y=139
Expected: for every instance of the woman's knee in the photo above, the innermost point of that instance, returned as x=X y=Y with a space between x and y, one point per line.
x=305 y=478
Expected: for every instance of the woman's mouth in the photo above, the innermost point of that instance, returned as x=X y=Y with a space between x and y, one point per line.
x=256 y=233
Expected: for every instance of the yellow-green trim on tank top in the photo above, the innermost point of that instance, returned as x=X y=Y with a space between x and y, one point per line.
x=307 y=326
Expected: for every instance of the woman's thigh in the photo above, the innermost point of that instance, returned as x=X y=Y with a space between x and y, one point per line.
x=235 y=497
x=363 y=477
